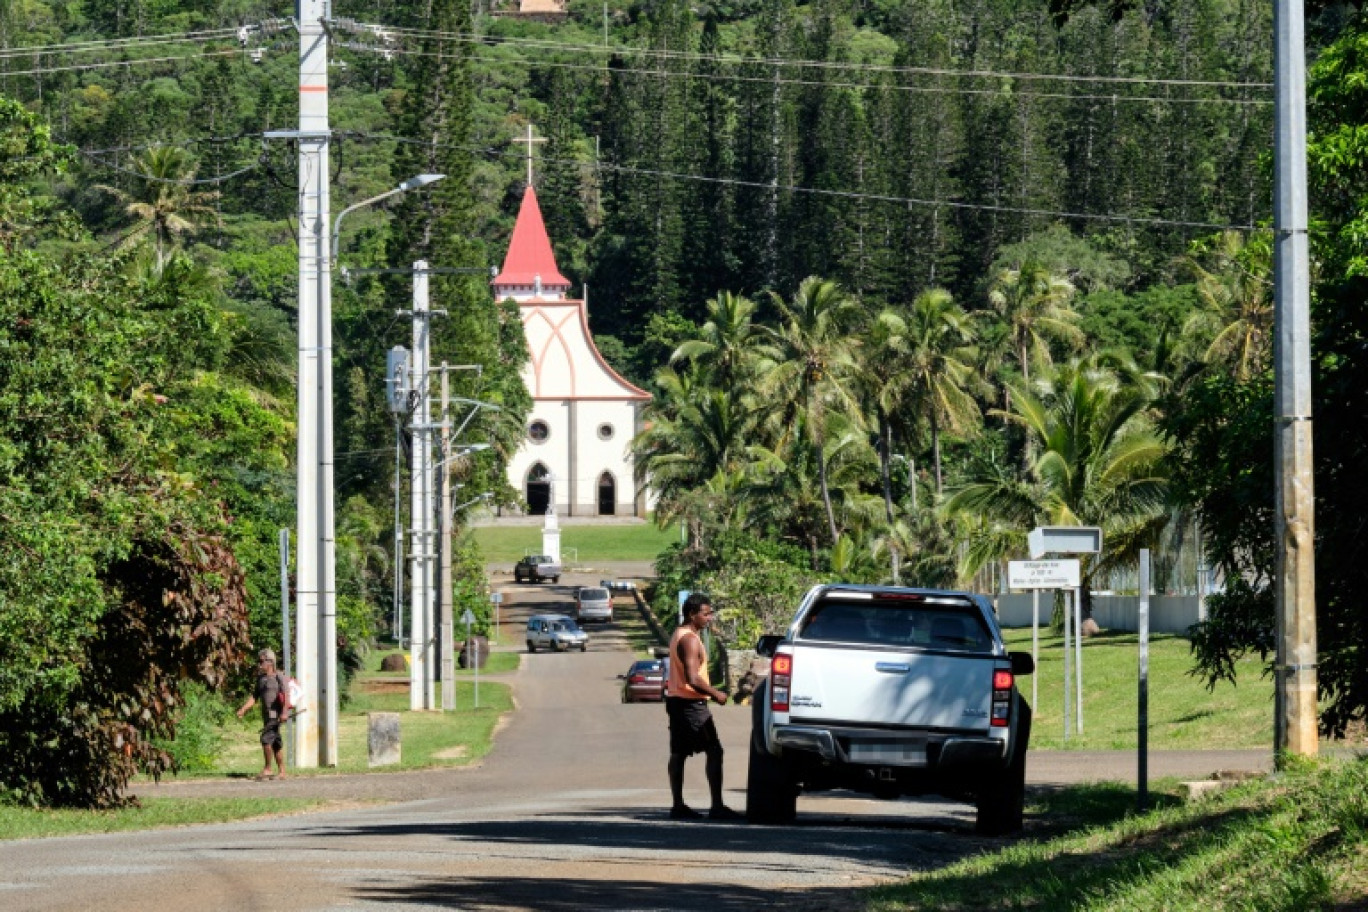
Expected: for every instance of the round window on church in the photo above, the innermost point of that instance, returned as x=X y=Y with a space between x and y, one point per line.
x=538 y=431
x=605 y=432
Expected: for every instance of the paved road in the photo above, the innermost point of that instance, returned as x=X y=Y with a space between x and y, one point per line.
x=566 y=813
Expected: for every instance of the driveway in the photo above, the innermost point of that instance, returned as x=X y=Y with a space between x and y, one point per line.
x=566 y=813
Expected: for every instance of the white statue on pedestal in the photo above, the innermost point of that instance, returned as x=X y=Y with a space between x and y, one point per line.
x=550 y=527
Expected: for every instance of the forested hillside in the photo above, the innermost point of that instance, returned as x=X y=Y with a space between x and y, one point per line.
x=907 y=277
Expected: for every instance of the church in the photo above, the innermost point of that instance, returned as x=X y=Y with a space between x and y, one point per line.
x=576 y=456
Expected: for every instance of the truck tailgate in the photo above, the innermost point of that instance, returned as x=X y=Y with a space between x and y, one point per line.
x=891 y=687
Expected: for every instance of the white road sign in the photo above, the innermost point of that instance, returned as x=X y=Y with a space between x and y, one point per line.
x=1042 y=574
x=467 y=618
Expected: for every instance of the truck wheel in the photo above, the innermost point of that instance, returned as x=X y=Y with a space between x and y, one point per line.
x=531 y=646
x=555 y=579
x=1001 y=804
x=771 y=796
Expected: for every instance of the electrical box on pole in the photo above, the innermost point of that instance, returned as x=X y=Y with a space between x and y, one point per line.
x=397 y=379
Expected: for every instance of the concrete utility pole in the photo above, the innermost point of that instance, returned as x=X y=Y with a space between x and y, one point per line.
x=397 y=390
x=421 y=637
x=1295 y=724
x=445 y=597
x=316 y=735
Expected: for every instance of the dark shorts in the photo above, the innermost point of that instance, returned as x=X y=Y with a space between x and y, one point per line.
x=692 y=729
x=270 y=735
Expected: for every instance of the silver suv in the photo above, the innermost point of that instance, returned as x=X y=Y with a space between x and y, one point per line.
x=555 y=632
x=594 y=603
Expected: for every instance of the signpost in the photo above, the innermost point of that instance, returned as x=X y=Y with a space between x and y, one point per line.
x=1043 y=574
x=1142 y=701
x=1044 y=540
x=1036 y=575
x=496 y=599
x=472 y=653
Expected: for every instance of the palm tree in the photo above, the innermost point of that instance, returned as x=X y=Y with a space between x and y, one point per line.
x=694 y=433
x=164 y=203
x=1034 y=303
x=882 y=383
x=809 y=364
x=1098 y=464
x=786 y=494
x=1237 y=299
x=727 y=343
x=939 y=369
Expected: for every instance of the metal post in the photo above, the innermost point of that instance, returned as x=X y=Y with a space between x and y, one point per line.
x=1035 y=648
x=1078 y=656
x=398 y=596
x=1295 y=723
x=444 y=480
x=316 y=737
x=420 y=546
x=1142 y=724
x=285 y=628
x=473 y=655
x=1067 y=665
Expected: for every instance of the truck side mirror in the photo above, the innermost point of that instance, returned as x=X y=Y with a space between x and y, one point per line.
x=1022 y=663
x=767 y=643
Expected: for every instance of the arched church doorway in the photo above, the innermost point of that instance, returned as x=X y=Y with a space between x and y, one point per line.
x=607 y=495
x=538 y=489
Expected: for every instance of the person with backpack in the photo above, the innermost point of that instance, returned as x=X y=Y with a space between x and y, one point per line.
x=273 y=692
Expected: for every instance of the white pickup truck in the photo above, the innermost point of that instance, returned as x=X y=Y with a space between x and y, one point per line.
x=891 y=691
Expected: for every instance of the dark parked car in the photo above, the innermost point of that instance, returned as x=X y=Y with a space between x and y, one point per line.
x=536 y=567
x=644 y=682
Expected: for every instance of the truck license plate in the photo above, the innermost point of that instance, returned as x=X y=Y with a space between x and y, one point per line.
x=888 y=751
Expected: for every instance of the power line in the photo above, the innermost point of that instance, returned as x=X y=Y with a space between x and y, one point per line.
x=164 y=180
x=844 y=194
x=105 y=44
x=723 y=77
x=738 y=60
x=120 y=63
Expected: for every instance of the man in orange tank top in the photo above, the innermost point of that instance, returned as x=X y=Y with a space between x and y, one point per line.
x=692 y=729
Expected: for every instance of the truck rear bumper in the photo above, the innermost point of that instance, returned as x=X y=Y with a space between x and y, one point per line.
x=890 y=747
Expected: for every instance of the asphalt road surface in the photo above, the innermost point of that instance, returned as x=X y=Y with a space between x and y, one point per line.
x=566 y=813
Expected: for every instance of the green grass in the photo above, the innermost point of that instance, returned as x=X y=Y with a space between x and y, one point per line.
x=427 y=738
x=1286 y=844
x=581 y=545
x=28 y=823
x=1182 y=712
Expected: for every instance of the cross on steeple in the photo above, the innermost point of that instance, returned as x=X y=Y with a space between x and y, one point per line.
x=530 y=140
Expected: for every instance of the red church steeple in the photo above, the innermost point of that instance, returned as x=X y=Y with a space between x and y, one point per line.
x=530 y=266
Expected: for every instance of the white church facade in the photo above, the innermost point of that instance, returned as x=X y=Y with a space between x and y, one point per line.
x=576 y=455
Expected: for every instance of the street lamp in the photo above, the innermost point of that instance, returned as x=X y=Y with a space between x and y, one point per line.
x=317 y=565
x=462 y=450
x=413 y=183
x=459 y=507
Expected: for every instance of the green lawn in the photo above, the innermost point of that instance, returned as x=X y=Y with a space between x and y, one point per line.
x=581 y=545
x=1286 y=844
x=1182 y=712
x=428 y=738
x=31 y=823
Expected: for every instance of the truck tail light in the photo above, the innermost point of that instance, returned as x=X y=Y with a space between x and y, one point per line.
x=781 y=676
x=1002 y=698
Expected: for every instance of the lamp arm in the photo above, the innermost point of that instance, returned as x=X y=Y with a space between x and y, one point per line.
x=337 y=222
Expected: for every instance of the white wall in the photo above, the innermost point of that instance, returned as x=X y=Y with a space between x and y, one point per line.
x=1168 y=613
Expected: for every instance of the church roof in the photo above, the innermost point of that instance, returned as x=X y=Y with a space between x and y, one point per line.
x=529 y=252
